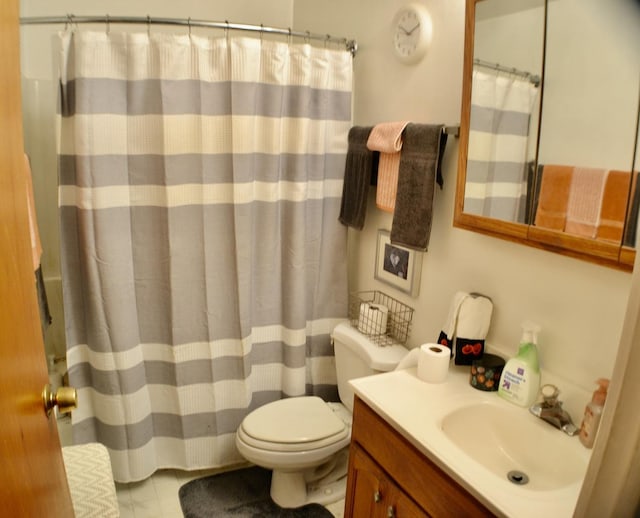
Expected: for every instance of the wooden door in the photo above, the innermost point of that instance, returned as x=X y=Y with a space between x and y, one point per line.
x=373 y=494
x=32 y=476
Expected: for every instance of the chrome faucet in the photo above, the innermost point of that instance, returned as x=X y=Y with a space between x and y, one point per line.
x=550 y=409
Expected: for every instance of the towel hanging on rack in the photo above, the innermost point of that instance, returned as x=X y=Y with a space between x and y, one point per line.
x=386 y=138
x=357 y=177
x=420 y=162
x=419 y=168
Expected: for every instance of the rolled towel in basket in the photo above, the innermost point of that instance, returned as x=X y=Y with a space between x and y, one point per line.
x=372 y=319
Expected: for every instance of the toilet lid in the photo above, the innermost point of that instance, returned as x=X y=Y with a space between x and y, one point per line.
x=293 y=420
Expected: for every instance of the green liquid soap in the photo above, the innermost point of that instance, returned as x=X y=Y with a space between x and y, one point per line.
x=520 y=379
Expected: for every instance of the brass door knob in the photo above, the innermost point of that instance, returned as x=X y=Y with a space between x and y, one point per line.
x=65 y=398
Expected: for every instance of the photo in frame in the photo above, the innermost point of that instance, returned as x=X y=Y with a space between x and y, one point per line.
x=397 y=266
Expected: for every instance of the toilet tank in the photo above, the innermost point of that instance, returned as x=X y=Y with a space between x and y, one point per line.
x=357 y=356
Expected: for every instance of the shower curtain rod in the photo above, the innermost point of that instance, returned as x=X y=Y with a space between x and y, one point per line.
x=534 y=79
x=351 y=45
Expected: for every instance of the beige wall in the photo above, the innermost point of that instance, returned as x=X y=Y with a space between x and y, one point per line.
x=579 y=306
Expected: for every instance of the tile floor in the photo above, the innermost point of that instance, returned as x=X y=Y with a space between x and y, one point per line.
x=157 y=496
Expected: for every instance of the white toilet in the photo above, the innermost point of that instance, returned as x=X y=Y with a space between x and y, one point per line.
x=305 y=440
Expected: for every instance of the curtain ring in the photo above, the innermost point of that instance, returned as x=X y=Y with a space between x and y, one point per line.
x=289 y=37
x=69 y=22
x=148 y=25
x=226 y=29
x=326 y=40
x=261 y=32
x=108 y=25
x=307 y=37
x=189 y=24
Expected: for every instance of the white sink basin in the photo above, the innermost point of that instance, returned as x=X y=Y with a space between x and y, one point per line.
x=516 y=446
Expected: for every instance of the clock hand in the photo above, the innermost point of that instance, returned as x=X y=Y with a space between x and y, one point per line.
x=404 y=30
x=409 y=33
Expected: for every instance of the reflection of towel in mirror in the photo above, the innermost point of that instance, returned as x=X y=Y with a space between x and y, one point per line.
x=585 y=201
x=614 y=206
x=387 y=139
x=554 y=197
x=357 y=177
x=419 y=163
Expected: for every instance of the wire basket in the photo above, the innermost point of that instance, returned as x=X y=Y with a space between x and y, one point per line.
x=383 y=319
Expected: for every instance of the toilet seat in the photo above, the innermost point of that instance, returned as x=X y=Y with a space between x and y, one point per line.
x=293 y=425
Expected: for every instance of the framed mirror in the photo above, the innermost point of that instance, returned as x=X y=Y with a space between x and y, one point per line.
x=549 y=127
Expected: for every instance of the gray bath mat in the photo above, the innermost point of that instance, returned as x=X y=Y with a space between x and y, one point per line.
x=241 y=494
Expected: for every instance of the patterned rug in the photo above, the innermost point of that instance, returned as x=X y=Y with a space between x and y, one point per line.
x=241 y=494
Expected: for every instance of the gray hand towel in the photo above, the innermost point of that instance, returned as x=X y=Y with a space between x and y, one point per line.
x=419 y=164
x=357 y=177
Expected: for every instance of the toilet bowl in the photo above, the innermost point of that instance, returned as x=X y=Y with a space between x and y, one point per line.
x=298 y=438
x=305 y=440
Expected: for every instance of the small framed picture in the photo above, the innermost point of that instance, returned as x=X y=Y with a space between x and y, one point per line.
x=398 y=266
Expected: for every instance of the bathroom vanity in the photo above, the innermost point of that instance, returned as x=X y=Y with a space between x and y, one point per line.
x=389 y=477
x=447 y=449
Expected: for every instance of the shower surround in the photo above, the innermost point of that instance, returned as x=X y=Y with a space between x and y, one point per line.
x=203 y=263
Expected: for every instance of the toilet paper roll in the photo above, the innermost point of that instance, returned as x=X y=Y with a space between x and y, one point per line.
x=433 y=363
x=373 y=318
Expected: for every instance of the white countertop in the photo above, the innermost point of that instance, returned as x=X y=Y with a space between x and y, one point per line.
x=415 y=409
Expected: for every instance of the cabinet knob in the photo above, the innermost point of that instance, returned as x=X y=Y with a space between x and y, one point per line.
x=377 y=496
x=391 y=512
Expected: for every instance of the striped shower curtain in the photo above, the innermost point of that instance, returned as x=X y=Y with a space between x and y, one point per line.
x=498 y=158
x=203 y=263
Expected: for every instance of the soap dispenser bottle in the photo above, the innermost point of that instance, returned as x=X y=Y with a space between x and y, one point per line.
x=592 y=414
x=520 y=379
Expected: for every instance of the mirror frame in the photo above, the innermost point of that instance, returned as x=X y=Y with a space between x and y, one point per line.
x=599 y=252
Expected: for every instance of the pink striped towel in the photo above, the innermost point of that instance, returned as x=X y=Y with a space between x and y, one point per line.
x=585 y=201
x=387 y=139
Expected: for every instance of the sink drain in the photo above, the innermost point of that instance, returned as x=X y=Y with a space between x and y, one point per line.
x=517 y=477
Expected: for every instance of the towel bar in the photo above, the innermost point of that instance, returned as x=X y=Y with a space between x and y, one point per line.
x=451 y=130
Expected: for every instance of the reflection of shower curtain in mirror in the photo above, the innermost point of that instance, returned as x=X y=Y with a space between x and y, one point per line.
x=497 y=161
x=204 y=266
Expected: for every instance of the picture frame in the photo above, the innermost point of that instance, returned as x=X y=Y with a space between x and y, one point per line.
x=396 y=265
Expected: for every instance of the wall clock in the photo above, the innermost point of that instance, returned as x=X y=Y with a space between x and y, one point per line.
x=412 y=30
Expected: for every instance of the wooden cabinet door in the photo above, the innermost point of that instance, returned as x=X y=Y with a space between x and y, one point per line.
x=401 y=506
x=418 y=478
x=373 y=494
x=368 y=486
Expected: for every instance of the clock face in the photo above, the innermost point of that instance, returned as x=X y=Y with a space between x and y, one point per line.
x=412 y=32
